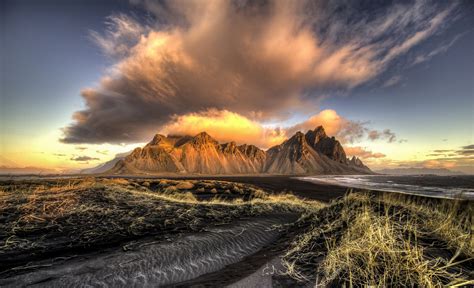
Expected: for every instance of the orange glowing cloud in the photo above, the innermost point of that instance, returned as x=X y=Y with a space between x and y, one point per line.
x=361 y=152
x=225 y=126
x=228 y=126
x=328 y=118
x=334 y=124
x=438 y=164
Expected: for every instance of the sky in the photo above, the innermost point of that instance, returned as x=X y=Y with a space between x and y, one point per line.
x=84 y=80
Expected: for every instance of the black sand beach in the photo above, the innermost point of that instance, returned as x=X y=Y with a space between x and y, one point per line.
x=302 y=189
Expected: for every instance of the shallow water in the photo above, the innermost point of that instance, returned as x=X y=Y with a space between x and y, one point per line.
x=451 y=187
x=161 y=264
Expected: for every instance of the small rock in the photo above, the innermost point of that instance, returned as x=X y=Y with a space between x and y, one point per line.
x=185 y=185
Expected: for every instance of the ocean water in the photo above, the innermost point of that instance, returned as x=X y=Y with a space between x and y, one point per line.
x=452 y=187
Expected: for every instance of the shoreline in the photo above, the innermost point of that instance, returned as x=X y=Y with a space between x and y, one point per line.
x=280 y=184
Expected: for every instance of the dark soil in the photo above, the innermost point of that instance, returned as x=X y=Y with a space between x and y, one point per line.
x=278 y=184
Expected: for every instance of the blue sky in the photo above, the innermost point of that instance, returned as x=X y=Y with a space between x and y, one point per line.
x=49 y=58
x=433 y=100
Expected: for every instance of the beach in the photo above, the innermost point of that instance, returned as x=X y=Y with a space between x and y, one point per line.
x=204 y=231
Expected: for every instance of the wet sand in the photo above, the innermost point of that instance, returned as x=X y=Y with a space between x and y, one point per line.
x=163 y=264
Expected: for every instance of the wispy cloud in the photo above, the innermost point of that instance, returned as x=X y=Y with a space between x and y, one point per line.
x=392 y=81
x=122 y=32
x=250 y=58
x=386 y=134
x=458 y=159
x=59 y=155
x=466 y=150
x=83 y=158
x=463 y=151
x=438 y=50
x=463 y=158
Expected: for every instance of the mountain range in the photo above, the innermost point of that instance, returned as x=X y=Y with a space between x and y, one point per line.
x=310 y=153
x=8 y=170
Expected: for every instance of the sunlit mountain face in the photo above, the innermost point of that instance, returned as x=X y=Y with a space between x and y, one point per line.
x=83 y=81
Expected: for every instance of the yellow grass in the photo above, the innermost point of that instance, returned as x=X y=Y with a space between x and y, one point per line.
x=376 y=241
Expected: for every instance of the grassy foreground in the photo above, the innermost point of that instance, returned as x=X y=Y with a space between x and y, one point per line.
x=57 y=219
x=384 y=240
x=362 y=239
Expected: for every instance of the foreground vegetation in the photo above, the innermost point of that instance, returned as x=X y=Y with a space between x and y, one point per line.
x=362 y=239
x=57 y=219
x=386 y=239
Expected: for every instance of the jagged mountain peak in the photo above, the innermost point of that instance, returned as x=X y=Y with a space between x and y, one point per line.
x=203 y=138
x=315 y=136
x=310 y=153
x=229 y=147
x=320 y=130
x=298 y=136
x=158 y=139
x=356 y=161
x=328 y=146
x=203 y=134
x=251 y=151
x=297 y=143
x=298 y=139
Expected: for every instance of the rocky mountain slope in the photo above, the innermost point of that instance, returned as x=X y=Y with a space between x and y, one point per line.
x=310 y=153
x=104 y=167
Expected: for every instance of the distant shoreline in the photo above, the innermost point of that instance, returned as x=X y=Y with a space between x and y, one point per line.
x=312 y=190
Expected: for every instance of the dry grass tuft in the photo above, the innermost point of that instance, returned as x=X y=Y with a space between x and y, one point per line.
x=365 y=240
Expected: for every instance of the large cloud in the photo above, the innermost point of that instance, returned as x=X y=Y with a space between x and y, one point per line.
x=254 y=58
